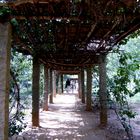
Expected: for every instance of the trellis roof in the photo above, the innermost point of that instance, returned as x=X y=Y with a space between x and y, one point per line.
x=69 y=34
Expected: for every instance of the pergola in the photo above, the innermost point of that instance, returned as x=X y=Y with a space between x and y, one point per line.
x=67 y=36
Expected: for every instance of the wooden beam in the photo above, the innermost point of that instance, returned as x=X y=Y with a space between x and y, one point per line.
x=72 y=72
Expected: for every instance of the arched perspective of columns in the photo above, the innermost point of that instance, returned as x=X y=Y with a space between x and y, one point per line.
x=50 y=76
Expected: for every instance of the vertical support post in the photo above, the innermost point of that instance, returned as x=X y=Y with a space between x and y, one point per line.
x=82 y=85
x=62 y=83
x=79 y=85
x=46 y=88
x=59 y=84
x=89 y=90
x=51 y=87
x=54 y=83
x=103 y=90
x=35 y=92
x=5 y=47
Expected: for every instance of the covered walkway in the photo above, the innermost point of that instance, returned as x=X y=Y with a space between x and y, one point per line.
x=66 y=37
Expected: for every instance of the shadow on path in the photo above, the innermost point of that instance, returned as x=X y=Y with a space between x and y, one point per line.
x=66 y=120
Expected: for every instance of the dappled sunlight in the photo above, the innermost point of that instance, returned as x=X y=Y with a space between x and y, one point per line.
x=65 y=120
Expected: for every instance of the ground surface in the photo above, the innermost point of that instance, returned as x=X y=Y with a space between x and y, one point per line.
x=68 y=120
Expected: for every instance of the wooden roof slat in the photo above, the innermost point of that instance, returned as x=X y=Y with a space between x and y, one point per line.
x=84 y=28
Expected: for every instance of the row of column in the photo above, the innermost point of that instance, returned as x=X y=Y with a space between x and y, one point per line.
x=86 y=91
x=5 y=39
x=85 y=95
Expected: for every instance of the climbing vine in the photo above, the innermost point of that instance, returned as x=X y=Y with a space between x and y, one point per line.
x=125 y=84
x=20 y=89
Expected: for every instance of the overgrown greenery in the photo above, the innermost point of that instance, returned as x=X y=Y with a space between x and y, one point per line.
x=125 y=83
x=123 y=80
x=20 y=87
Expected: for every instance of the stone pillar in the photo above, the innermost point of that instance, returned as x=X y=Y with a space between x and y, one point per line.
x=59 y=84
x=51 y=87
x=35 y=92
x=5 y=47
x=103 y=90
x=46 y=88
x=89 y=90
x=54 y=83
x=79 y=85
x=62 y=87
x=82 y=85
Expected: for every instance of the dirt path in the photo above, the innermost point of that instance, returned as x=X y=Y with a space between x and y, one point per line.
x=65 y=120
x=68 y=120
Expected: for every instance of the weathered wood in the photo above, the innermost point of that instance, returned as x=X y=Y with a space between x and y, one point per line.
x=46 y=89
x=5 y=45
x=103 y=91
x=35 y=92
x=89 y=90
x=82 y=86
x=51 y=86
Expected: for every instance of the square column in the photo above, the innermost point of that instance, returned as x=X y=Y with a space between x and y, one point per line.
x=46 y=88
x=89 y=89
x=82 y=85
x=54 y=83
x=51 y=85
x=5 y=48
x=35 y=92
x=79 y=86
x=103 y=91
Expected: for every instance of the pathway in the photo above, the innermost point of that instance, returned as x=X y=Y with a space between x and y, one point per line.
x=66 y=120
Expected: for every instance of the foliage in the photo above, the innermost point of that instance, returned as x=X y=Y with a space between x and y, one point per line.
x=123 y=80
x=4 y=13
x=20 y=75
x=125 y=84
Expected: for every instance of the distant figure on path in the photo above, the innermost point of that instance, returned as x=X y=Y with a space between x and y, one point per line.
x=67 y=86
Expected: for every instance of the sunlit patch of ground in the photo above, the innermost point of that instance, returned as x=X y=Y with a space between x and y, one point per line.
x=68 y=120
